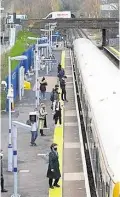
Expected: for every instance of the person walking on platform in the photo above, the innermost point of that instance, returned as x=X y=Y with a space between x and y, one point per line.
x=43 y=85
x=42 y=119
x=61 y=74
x=42 y=62
x=34 y=132
x=2 y=178
x=53 y=167
x=59 y=68
x=63 y=87
x=54 y=97
x=57 y=115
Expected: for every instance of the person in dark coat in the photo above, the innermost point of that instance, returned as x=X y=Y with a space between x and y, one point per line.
x=63 y=87
x=59 y=67
x=53 y=167
x=61 y=73
x=2 y=178
x=57 y=115
x=43 y=85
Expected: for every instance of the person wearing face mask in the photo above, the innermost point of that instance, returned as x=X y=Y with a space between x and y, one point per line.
x=53 y=167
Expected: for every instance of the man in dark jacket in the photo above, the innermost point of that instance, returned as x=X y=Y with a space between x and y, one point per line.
x=53 y=167
x=2 y=178
x=61 y=74
x=43 y=85
x=59 y=67
x=63 y=87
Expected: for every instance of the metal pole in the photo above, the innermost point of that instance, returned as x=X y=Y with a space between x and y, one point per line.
x=10 y=168
x=51 y=37
x=35 y=76
x=14 y=131
x=49 y=40
x=37 y=73
x=47 y=68
x=34 y=60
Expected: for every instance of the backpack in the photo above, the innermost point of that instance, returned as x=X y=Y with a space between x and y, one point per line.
x=42 y=87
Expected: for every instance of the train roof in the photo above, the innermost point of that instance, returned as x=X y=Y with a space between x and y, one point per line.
x=102 y=81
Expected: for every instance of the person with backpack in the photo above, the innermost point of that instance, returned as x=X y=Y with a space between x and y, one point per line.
x=43 y=85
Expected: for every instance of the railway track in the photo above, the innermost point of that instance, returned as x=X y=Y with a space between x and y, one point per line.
x=79 y=33
x=111 y=56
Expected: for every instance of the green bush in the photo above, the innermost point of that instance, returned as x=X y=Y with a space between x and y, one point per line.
x=21 y=45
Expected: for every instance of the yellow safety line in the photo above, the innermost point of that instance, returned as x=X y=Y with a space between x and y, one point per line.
x=113 y=49
x=58 y=139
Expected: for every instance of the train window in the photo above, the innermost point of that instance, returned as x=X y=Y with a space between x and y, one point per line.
x=49 y=16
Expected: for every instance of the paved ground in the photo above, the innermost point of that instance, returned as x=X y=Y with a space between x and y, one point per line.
x=74 y=177
x=34 y=182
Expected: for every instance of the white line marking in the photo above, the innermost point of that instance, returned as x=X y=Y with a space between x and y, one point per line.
x=67 y=124
x=26 y=171
x=71 y=145
x=74 y=176
x=39 y=154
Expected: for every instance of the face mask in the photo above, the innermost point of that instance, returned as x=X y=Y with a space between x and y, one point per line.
x=55 y=148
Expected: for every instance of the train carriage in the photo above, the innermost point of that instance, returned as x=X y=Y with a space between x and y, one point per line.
x=99 y=89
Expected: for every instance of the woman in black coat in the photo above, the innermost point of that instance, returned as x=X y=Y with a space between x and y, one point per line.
x=53 y=167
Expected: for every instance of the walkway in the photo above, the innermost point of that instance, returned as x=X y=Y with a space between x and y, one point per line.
x=32 y=161
x=32 y=166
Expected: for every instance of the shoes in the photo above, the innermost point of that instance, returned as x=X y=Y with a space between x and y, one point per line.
x=66 y=100
x=51 y=187
x=56 y=185
x=34 y=144
x=4 y=190
x=43 y=135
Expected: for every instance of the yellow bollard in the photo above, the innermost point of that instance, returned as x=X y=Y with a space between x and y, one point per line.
x=27 y=85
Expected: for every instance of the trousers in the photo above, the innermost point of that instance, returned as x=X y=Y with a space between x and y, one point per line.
x=58 y=117
x=2 y=183
x=63 y=95
x=34 y=135
x=51 y=181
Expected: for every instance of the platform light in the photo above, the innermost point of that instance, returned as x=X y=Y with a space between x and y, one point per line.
x=10 y=97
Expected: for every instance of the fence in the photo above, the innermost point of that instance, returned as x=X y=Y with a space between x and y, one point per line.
x=15 y=74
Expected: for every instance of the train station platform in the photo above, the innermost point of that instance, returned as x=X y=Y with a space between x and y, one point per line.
x=33 y=161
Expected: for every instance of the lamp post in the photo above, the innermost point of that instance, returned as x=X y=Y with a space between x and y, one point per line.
x=10 y=96
x=15 y=124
